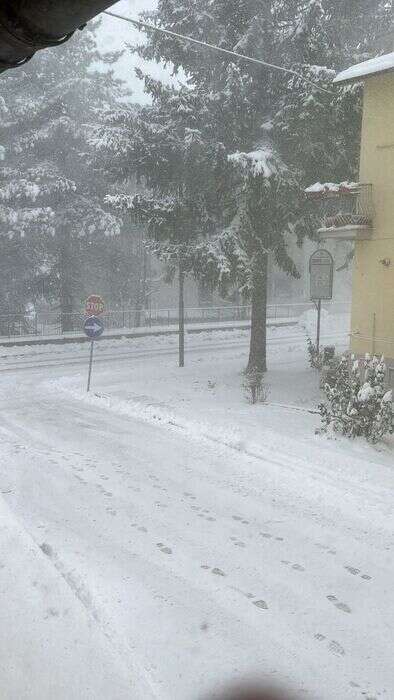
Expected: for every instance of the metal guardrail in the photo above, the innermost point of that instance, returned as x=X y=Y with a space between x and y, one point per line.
x=53 y=323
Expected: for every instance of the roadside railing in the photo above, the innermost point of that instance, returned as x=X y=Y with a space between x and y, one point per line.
x=52 y=323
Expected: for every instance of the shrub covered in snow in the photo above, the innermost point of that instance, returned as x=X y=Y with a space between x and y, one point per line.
x=315 y=356
x=355 y=407
x=323 y=358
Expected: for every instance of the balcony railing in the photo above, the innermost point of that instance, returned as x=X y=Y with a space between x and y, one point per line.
x=346 y=210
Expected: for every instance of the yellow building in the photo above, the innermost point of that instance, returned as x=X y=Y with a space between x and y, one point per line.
x=366 y=214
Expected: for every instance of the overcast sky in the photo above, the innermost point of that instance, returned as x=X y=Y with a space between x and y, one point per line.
x=113 y=34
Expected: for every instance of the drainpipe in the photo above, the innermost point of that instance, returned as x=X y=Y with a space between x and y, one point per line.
x=373 y=333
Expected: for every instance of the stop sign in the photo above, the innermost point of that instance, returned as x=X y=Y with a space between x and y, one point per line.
x=94 y=305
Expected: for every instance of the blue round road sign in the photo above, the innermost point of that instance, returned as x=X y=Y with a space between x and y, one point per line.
x=93 y=327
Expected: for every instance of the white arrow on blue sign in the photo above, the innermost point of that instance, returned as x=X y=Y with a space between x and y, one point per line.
x=93 y=327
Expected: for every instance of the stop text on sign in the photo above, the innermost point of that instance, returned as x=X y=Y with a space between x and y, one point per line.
x=94 y=305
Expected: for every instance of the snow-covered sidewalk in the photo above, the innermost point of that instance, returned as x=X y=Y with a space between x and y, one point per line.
x=51 y=646
x=206 y=399
x=140 y=332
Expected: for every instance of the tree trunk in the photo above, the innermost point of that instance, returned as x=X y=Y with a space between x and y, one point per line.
x=142 y=286
x=181 y=316
x=66 y=282
x=258 y=334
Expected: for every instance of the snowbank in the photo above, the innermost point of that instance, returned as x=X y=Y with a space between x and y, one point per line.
x=330 y=323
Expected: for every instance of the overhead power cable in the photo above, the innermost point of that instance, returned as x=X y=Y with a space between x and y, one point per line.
x=145 y=25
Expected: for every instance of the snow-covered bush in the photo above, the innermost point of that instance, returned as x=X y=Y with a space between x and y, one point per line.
x=324 y=358
x=315 y=356
x=355 y=407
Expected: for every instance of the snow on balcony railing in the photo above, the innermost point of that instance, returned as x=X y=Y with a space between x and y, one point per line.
x=347 y=205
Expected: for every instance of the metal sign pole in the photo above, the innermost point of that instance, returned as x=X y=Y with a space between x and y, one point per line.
x=90 y=365
x=321 y=271
x=318 y=325
x=93 y=328
x=181 y=319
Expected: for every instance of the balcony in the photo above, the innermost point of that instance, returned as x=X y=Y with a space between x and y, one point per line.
x=344 y=211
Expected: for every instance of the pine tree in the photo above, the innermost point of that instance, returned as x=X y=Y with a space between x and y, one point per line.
x=51 y=194
x=313 y=132
x=167 y=149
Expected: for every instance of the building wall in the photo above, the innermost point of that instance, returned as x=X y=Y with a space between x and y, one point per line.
x=373 y=282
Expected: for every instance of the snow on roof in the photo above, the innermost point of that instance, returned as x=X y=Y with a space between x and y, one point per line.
x=360 y=71
x=331 y=188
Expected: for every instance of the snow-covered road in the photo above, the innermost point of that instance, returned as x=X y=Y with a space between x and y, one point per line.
x=196 y=562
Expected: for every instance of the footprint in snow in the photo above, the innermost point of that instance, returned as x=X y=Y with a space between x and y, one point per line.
x=237 y=542
x=215 y=570
x=268 y=536
x=249 y=596
x=338 y=604
x=336 y=648
x=352 y=570
x=47 y=549
x=325 y=548
x=333 y=646
x=296 y=567
x=364 y=693
x=355 y=572
x=163 y=548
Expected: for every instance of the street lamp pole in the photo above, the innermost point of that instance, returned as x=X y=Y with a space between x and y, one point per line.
x=181 y=315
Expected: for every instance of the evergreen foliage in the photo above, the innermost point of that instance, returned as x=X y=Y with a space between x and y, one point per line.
x=250 y=112
x=51 y=192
